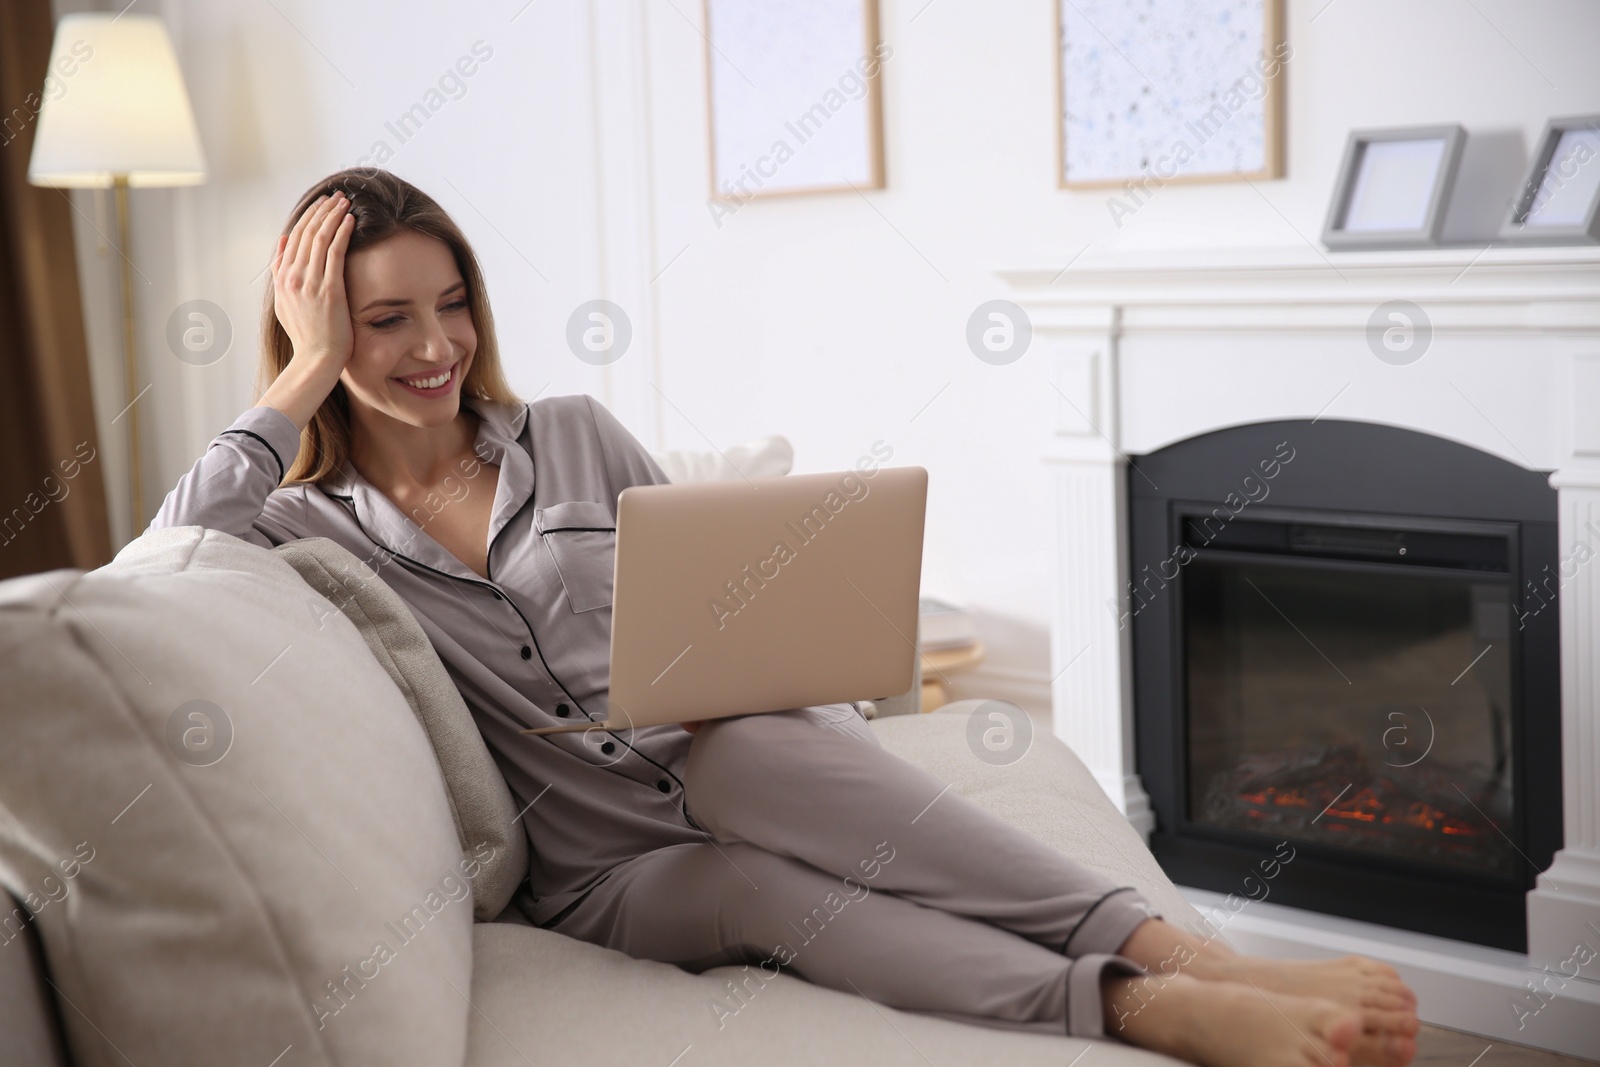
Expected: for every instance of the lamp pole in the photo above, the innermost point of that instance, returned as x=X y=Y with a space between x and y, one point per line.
x=130 y=357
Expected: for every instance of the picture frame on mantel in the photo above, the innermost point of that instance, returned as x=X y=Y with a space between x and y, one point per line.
x=1558 y=201
x=793 y=97
x=1168 y=91
x=1392 y=187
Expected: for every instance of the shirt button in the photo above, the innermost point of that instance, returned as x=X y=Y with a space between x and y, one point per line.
x=664 y=786
x=608 y=748
x=562 y=710
x=527 y=653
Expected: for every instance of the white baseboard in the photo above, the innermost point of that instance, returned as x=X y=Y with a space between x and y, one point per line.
x=1462 y=986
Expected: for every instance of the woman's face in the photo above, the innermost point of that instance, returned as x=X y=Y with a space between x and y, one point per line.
x=413 y=329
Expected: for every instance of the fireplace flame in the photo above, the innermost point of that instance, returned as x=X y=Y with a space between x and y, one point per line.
x=1361 y=806
x=1345 y=794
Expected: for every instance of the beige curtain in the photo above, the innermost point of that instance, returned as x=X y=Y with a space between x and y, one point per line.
x=52 y=498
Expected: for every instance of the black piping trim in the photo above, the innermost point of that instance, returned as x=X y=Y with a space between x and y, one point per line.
x=1092 y=907
x=555 y=920
x=683 y=790
x=251 y=433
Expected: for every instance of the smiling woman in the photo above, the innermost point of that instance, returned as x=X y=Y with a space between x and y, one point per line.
x=374 y=326
x=411 y=277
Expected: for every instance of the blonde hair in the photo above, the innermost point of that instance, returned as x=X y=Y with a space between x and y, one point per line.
x=383 y=205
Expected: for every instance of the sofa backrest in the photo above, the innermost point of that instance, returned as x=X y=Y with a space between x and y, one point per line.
x=212 y=795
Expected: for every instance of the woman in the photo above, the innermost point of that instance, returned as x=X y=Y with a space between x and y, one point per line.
x=386 y=425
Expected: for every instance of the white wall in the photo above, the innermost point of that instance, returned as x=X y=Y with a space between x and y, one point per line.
x=580 y=147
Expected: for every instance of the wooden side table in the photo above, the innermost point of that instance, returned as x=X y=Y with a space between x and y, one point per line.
x=941 y=663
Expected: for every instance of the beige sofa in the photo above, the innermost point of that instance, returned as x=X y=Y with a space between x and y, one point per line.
x=251 y=822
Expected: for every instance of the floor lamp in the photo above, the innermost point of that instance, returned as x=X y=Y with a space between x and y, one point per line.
x=115 y=114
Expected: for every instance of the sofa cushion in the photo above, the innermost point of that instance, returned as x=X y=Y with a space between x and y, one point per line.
x=480 y=801
x=226 y=823
x=542 y=997
x=534 y=991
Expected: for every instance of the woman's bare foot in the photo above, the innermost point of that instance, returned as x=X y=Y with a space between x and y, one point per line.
x=1388 y=1006
x=1229 y=1024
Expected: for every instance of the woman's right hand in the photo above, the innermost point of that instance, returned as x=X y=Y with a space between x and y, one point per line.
x=309 y=299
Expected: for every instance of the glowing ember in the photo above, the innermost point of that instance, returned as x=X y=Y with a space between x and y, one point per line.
x=1339 y=794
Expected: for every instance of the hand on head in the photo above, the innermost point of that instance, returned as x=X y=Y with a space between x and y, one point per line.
x=308 y=285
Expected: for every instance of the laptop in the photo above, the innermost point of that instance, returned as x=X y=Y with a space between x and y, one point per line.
x=757 y=595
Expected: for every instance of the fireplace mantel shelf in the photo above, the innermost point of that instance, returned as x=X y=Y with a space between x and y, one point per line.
x=1144 y=269
x=1474 y=289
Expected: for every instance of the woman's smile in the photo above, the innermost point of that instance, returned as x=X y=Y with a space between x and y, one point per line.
x=432 y=383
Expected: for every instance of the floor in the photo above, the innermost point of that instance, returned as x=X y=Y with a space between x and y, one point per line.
x=1437 y=1047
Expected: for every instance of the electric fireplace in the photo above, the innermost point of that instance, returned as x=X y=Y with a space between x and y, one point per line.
x=1345 y=638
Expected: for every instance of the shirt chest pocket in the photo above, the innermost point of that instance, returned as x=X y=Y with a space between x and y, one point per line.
x=581 y=537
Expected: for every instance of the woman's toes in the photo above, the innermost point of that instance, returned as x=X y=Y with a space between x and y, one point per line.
x=1386 y=1040
x=1378 y=1000
x=1383 y=1050
x=1391 y=1023
x=1341 y=1030
x=1370 y=1050
x=1399 y=1051
x=1388 y=979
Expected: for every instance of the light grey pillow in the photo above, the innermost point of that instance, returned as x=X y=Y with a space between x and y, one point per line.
x=480 y=800
x=765 y=457
x=225 y=823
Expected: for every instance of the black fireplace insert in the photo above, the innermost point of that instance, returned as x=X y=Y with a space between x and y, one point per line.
x=1345 y=638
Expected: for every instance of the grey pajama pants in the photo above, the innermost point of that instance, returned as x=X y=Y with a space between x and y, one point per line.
x=850 y=867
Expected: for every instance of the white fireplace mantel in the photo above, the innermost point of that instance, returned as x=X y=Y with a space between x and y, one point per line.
x=1149 y=349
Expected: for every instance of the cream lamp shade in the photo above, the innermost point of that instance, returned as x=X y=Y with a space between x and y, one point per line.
x=116 y=107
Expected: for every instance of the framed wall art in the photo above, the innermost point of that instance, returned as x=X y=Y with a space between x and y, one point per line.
x=1160 y=91
x=792 y=95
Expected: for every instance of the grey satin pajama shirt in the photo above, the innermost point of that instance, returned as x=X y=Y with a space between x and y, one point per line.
x=749 y=842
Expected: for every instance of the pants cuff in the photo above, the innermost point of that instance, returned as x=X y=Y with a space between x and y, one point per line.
x=1108 y=924
x=1085 y=1007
